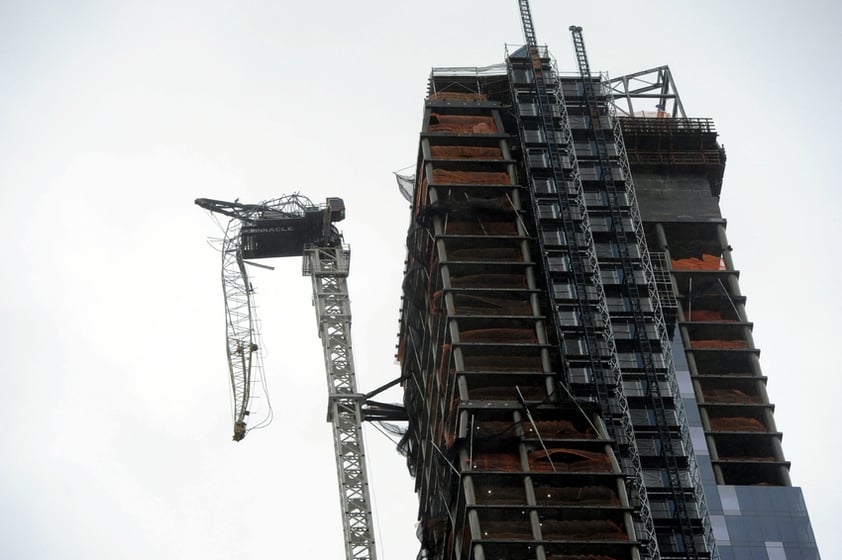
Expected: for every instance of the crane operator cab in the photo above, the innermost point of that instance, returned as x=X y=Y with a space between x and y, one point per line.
x=286 y=232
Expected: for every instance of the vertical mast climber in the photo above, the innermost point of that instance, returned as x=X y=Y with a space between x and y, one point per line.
x=291 y=226
x=552 y=122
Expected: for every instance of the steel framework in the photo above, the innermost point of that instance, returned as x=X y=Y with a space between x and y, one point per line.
x=655 y=84
x=328 y=268
x=289 y=226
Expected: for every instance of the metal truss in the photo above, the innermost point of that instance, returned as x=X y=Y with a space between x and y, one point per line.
x=328 y=268
x=654 y=91
x=245 y=363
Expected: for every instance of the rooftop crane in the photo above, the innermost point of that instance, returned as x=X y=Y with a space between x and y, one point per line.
x=294 y=226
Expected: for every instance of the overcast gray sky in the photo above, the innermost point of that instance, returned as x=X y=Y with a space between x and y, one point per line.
x=115 y=115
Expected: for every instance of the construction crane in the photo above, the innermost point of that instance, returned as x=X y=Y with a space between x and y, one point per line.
x=294 y=226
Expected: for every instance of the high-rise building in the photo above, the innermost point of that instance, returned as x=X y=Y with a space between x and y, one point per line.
x=580 y=374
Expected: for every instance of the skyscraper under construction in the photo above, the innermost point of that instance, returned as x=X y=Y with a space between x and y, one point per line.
x=579 y=370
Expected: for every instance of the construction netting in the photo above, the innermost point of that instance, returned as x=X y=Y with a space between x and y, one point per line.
x=489 y=281
x=492 y=362
x=506 y=462
x=583 y=495
x=736 y=424
x=490 y=429
x=730 y=396
x=457 y=96
x=556 y=429
x=452 y=177
x=720 y=344
x=508 y=530
x=553 y=529
x=579 y=557
x=499 y=495
x=467 y=152
x=508 y=393
x=462 y=124
x=751 y=458
x=503 y=254
x=707 y=262
x=469 y=304
x=500 y=335
x=479 y=226
x=444 y=364
x=596 y=529
x=568 y=460
x=702 y=315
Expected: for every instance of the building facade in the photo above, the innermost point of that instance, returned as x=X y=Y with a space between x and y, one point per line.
x=579 y=372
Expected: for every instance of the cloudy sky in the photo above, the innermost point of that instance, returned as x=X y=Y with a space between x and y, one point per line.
x=115 y=115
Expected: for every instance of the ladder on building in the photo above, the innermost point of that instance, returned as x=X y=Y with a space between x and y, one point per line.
x=641 y=325
x=585 y=272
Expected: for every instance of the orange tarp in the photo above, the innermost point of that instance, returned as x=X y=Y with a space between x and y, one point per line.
x=707 y=262
x=466 y=152
x=705 y=315
x=462 y=124
x=449 y=177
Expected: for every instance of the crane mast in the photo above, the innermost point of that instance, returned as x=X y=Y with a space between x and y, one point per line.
x=328 y=268
x=294 y=226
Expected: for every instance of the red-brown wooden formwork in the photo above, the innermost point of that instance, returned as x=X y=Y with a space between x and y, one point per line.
x=490 y=361
x=480 y=226
x=547 y=429
x=501 y=335
x=508 y=393
x=493 y=153
x=462 y=124
x=579 y=495
x=568 y=460
x=736 y=424
x=451 y=177
x=510 y=281
x=486 y=254
x=707 y=262
x=596 y=529
x=551 y=529
x=477 y=304
x=706 y=315
x=558 y=429
x=579 y=557
x=730 y=396
x=559 y=459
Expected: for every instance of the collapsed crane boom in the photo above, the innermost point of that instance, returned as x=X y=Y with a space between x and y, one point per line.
x=294 y=226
